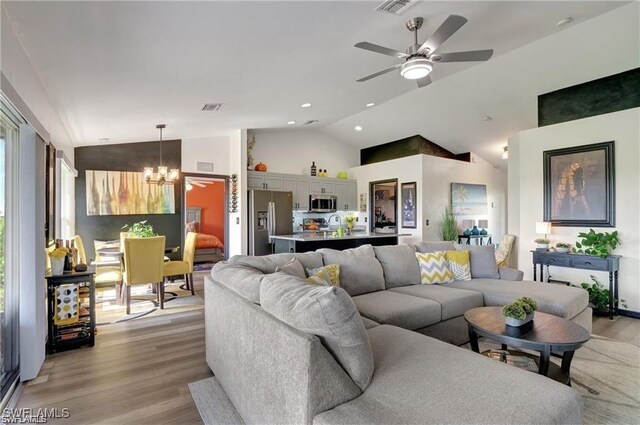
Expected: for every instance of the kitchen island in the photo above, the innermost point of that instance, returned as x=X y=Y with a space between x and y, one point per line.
x=304 y=242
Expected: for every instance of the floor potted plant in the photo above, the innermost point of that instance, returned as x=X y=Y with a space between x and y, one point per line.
x=599 y=297
x=519 y=312
x=449 y=230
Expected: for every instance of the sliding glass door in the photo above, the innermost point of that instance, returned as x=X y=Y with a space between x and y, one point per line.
x=8 y=284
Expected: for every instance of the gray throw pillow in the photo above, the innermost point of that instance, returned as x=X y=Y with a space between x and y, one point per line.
x=268 y=263
x=360 y=271
x=241 y=279
x=325 y=311
x=399 y=265
x=427 y=247
x=293 y=268
x=483 y=261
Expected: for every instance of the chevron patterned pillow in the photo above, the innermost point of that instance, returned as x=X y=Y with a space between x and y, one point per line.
x=459 y=264
x=434 y=268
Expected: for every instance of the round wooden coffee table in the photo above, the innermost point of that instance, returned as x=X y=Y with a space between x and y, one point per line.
x=546 y=334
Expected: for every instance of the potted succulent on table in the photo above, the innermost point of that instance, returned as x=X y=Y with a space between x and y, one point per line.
x=140 y=230
x=563 y=247
x=519 y=312
x=543 y=243
x=599 y=297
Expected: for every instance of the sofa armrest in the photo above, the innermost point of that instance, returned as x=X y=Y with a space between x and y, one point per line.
x=510 y=274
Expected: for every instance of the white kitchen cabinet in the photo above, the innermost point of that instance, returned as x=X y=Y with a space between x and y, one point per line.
x=265 y=181
x=347 y=193
x=302 y=193
x=322 y=187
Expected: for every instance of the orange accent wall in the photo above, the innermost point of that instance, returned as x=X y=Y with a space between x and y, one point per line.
x=212 y=200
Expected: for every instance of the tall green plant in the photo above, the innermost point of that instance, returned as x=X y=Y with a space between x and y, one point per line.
x=593 y=243
x=598 y=294
x=140 y=229
x=449 y=230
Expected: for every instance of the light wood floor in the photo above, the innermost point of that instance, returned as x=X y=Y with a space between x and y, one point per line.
x=139 y=370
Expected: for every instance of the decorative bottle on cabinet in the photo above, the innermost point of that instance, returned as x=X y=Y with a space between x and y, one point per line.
x=313 y=169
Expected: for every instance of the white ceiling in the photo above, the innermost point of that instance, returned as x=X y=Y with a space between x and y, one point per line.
x=116 y=69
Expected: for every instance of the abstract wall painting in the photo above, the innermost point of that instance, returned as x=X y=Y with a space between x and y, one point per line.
x=126 y=193
x=469 y=199
x=579 y=186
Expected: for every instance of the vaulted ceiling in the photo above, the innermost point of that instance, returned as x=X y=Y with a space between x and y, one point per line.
x=115 y=69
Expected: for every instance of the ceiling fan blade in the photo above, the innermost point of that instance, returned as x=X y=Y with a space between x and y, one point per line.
x=449 y=27
x=199 y=184
x=377 y=74
x=424 y=81
x=471 y=56
x=380 y=49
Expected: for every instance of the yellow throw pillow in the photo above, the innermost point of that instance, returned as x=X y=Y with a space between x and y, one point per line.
x=433 y=268
x=459 y=264
x=325 y=276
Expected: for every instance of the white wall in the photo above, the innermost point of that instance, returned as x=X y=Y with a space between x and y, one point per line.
x=208 y=149
x=18 y=70
x=293 y=151
x=439 y=173
x=408 y=169
x=526 y=192
x=434 y=177
x=238 y=222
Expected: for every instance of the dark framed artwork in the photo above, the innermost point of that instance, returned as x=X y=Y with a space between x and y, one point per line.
x=409 y=206
x=579 y=186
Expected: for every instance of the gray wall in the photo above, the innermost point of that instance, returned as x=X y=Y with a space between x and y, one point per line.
x=126 y=157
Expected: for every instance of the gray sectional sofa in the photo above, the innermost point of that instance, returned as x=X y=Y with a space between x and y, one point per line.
x=276 y=373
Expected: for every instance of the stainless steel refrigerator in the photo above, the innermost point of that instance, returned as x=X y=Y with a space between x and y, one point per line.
x=270 y=213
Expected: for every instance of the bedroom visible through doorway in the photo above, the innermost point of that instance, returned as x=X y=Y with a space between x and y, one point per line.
x=206 y=213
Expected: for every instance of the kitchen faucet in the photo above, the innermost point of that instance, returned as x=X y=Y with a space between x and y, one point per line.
x=339 y=220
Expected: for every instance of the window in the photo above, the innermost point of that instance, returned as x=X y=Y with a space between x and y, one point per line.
x=8 y=282
x=66 y=197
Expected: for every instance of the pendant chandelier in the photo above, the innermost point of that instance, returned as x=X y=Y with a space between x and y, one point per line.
x=164 y=175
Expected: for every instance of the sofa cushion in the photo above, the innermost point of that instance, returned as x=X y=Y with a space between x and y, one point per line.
x=398 y=264
x=563 y=301
x=268 y=263
x=393 y=308
x=325 y=275
x=368 y=323
x=420 y=380
x=454 y=302
x=483 y=261
x=294 y=268
x=242 y=280
x=459 y=264
x=360 y=271
x=425 y=247
x=325 y=311
x=433 y=268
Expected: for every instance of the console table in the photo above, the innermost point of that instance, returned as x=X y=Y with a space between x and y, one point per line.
x=478 y=238
x=610 y=264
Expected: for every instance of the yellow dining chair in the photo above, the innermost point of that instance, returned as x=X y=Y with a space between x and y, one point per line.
x=143 y=260
x=184 y=267
x=108 y=270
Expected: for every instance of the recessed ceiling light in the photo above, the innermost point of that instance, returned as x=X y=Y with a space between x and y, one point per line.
x=103 y=139
x=564 y=21
x=357 y=128
x=306 y=105
x=487 y=118
x=369 y=105
x=291 y=122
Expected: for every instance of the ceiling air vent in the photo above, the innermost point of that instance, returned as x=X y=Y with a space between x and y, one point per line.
x=204 y=167
x=310 y=122
x=212 y=106
x=397 y=7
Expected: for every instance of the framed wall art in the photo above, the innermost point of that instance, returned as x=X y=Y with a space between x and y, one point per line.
x=469 y=199
x=579 y=186
x=409 y=206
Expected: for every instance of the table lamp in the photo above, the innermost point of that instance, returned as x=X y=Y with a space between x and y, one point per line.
x=543 y=228
x=483 y=224
x=467 y=225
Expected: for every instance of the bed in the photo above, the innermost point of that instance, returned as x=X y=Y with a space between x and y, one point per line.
x=209 y=248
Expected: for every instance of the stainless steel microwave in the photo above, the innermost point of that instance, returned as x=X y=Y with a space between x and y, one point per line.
x=323 y=203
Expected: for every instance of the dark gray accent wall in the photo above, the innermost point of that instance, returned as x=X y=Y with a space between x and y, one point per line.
x=126 y=157
x=406 y=147
x=602 y=96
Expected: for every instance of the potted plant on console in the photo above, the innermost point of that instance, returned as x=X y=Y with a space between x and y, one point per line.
x=543 y=243
x=519 y=312
x=596 y=243
x=563 y=247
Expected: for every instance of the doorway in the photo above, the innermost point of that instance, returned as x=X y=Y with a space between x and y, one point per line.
x=384 y=206
x=206 y=213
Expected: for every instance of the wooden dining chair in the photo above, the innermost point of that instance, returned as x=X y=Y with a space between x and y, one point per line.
x=184 y=267
x=143 y=260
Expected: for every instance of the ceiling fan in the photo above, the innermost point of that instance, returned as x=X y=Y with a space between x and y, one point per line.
x=419 y=58
x=190 y=182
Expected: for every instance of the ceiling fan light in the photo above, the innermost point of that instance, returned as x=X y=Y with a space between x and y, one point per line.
x=416 y=68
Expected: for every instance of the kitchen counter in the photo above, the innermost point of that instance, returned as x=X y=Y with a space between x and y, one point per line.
x=304 y=242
